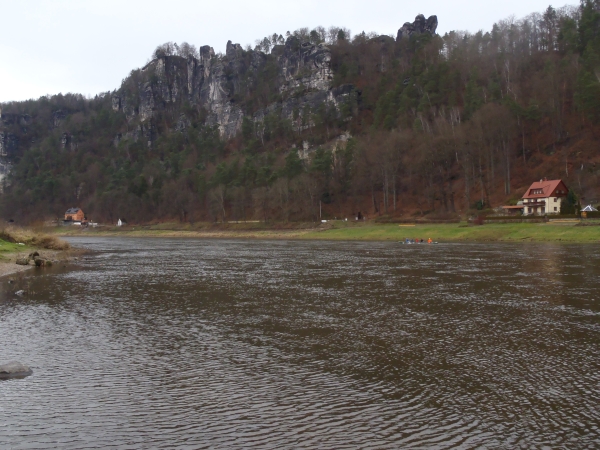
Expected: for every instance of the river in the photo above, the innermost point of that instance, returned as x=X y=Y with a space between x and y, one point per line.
x=181 y=343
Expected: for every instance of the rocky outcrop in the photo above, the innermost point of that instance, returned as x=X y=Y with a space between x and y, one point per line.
x=144 y=132
x=9 y=143
x=3 y=144
x=58 y=117
x=65 y=140
x=183 y=123
x=305 y=153
x=216 y=84
x=14 y=370
x=146 y=102
x=304 y=65
x=13 y=119
x=115 y=102
x=419 y=26
x=293 y=108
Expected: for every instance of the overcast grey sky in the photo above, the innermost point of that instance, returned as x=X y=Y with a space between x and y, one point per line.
x=89 y=46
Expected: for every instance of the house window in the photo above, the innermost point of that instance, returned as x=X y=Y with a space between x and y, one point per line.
x=555 y=209
x=555 y=200
x=530 y=210
x=543 y=210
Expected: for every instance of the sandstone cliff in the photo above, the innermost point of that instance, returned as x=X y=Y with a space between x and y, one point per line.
x=300 y=73
x=219 y=90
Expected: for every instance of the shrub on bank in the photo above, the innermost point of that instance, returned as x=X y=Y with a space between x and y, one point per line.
x=480 y=220
x=592 y=214
x=32 y=238
x=416 y=221
x=516 y=218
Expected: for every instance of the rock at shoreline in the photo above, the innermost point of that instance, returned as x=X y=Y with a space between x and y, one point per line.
x=34 y=259
x=14 y=370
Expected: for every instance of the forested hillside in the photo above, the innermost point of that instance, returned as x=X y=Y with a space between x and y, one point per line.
x=320 y=122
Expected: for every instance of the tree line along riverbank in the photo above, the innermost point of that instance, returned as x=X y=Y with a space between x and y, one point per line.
x=362 y=231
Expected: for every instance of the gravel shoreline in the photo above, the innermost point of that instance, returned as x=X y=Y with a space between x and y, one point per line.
x=10 y=268
x=8 y=265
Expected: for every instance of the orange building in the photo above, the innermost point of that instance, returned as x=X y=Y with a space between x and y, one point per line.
x=74 y=215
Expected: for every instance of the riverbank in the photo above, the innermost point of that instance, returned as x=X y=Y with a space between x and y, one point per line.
x=353 y=231
x=521 y=232
x=20 y=243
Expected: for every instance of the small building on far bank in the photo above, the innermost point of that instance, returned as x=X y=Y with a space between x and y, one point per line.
x=74 y=215
x=514 y=209
x=589 y=211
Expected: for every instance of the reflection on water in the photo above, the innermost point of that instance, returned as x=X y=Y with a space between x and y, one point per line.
x=233 y=344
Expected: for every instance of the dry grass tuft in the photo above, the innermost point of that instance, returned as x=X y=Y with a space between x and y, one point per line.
x=32 y=238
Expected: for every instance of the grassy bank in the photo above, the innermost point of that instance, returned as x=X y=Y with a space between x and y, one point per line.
x=511 y=232
x=16 y=238
x=517 y=232
x=19 y=243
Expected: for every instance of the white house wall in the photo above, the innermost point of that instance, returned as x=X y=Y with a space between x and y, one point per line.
x=550 y=204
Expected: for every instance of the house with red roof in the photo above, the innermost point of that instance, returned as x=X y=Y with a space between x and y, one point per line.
x=74 y=215
x=543 y=197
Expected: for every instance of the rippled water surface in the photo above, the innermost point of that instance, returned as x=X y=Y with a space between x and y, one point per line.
x=233 y=344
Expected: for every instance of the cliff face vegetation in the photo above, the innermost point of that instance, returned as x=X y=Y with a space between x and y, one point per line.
x=320 y=122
